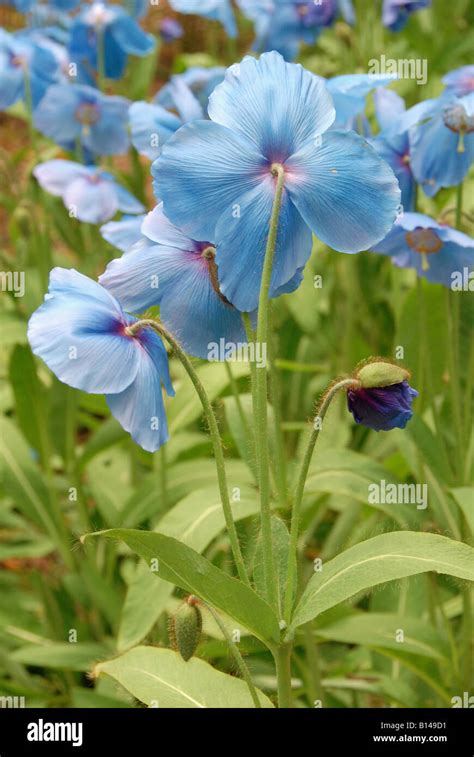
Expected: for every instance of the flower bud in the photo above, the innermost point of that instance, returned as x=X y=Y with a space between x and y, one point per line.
x=187 y=626
x=380 y=372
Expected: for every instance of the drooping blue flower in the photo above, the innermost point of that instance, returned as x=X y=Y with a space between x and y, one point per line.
x=393 y=144
x=170 y=29
x=179 y=274
x=125 y=233
x=89 y=194
x=25 y=68
x=72 y=113
x=460 y=81
x=441 y=140
x=436 y=252
x=216 y=10
x=395 y=13
x=80 y=331
x=283 y=25
x=382 y=408
x=217 y=178
x=349 y=93
x=107 y=26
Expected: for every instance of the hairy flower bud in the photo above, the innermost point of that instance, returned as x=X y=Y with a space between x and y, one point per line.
x=187 y=627
x=380 y=372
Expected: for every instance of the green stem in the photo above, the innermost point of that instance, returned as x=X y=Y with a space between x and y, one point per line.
x=454 y=383
x=100 y=60
x=236 y=654
x=295 y=518
x=215 y=438
x=459 y=205
x=275 y=395
x=282 y=656
x=236 y=396
x=163 y=479
x=260 y=409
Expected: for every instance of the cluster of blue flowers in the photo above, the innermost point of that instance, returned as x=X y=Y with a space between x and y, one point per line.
x=220 y=141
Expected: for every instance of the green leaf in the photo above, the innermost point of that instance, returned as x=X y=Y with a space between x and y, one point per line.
x=61 y=655
x=380 y=630
x=383 y=558
x=161 y=678
x=29 y=397
x=187 y=569
x=464 y=496
x=281 y=544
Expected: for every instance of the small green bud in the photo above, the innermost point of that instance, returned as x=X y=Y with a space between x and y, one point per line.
x=187 y=628
x=380 y=372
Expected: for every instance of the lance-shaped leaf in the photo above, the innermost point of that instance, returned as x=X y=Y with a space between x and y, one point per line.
x=383 y=558
x=186 y=568
x=161 y=678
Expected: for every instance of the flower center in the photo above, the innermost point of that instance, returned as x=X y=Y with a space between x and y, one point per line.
x=87 y=114
x=99 y=15
x=425 y=242
x=456 y=119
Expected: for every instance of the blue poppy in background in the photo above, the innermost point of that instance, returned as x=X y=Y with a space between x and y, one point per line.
x=80 y=331
x=216 y=10
x=393 y=144
x=125 y=233
x=25 y=68
x=69 y=113
x=179 y=274
x=217 y=178
x=395 y=13
x=349 y=93
x=151 y=125
x=111 y=26
x=382 y=408
x=460 y=81
x=200 y=81
x=25 y=6
x=441 y=140
x=436 y=252
x=90 y=194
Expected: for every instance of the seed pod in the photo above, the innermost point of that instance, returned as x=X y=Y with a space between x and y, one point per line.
x=379 y=373
x=187 y=628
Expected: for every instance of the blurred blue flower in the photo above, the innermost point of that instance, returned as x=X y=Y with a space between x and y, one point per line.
x=89 y=194
x=436 y=252
x=282 y=25
x=110 y=26
x=125 y=233
x=180 y=274
x=80 y=331
x=201 y=82
x=382 y=408
x=72 y=113
x=25 y=6
x=217 y=178
x=349 y=93
x=25 y=68
x=216 y=10
x=170 y=29
x=395 y=13
x=441 y=140
x=150 y=127
x=460 y=81
x=393 y=144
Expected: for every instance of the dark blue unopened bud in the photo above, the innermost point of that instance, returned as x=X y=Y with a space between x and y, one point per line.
x=383 y=407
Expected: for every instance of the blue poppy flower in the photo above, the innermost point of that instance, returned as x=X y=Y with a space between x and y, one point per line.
x=80 y=331
x=90 y=194
x=170 y=29
x=217 y=178
x=460 y=81
x=441 y=140
x=395 y=13
x=121 y=36
x=216 y=10
x=349 y=93
x=382 y=408
x=24 y=65
x=125 y=233
x=180 y=275
x=69 y=113
x=438 y=253
x=200 y=81
x=282 y=25
x=393 y=144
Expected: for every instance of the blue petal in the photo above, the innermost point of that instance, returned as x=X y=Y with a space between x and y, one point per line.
x=90 y=200
x=56 y=175
x=130 y=37
x=127 y=203
x=388 y=106
x=78 y=332
x=140 y=408
x=202 y=171
x=55 y=115
x=125 y=233
x=109 y=136
x=187 y=105
x=241 y=243
x=149 y=121
x=346 y=194
x=276 y=105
